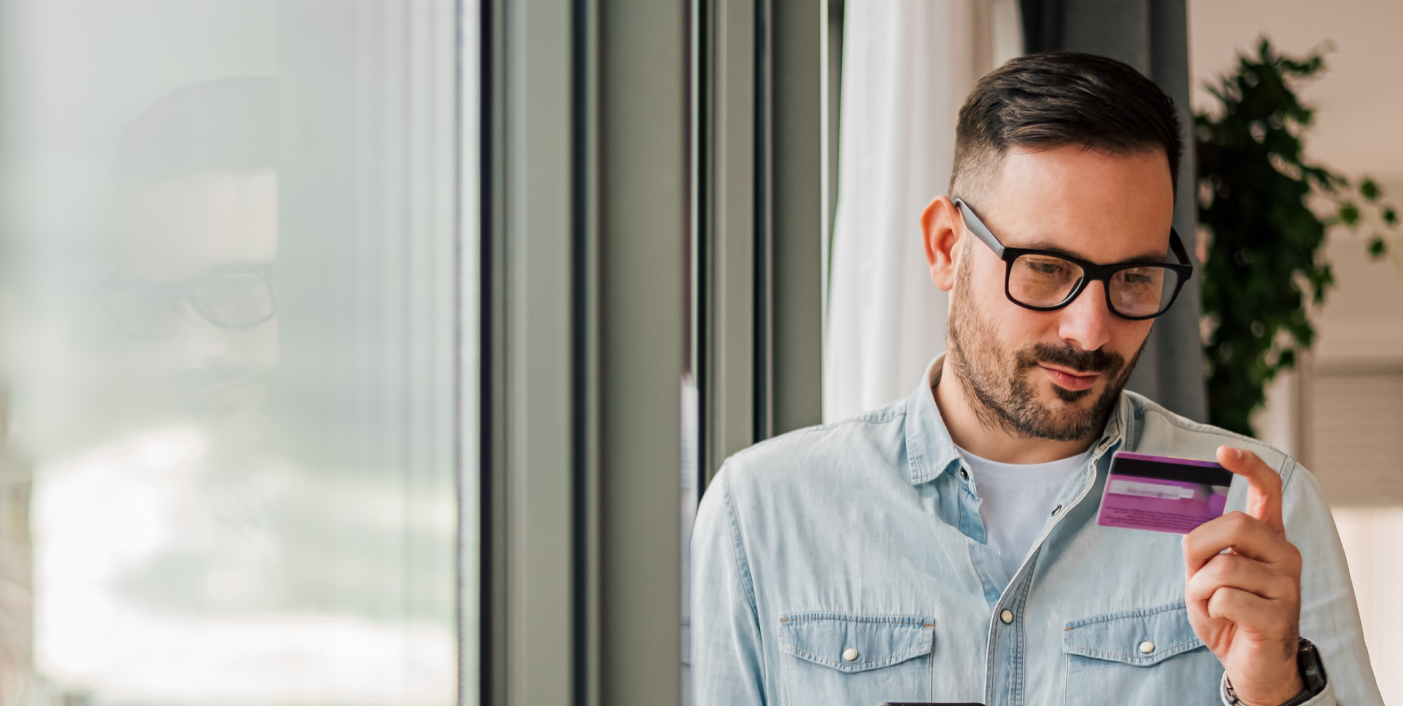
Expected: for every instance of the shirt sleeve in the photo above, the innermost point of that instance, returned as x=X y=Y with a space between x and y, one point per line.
x=1329 y=613
x=1325 y=698
x=727 y=653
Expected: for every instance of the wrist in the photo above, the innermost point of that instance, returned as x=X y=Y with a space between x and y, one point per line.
x=1283 y=692
x=1305 y=683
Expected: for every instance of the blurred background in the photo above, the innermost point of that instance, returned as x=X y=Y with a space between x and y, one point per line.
x=1341 y=411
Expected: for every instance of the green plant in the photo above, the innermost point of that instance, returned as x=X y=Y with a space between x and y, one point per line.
x=1263 y=256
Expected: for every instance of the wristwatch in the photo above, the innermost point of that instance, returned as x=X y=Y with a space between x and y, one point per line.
x=1312 y=673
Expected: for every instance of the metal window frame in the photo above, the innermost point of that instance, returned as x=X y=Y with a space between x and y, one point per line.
x=763 y=167
x=728 y=188
x=799 y=226
x=630 y=146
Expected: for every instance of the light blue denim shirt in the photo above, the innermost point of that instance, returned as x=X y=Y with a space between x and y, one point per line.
x=846 y=564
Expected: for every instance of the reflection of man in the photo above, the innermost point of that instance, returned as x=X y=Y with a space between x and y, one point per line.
x=945 y=548
x=148 y=538
x=198 y=234
x=196 y=560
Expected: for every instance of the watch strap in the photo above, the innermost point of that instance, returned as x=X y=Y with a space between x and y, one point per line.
x=1311 y=669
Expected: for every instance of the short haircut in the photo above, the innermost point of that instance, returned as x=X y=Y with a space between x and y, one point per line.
x=1046 y=101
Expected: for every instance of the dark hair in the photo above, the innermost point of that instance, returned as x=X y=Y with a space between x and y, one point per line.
x=1045 y=101
x=227 y=124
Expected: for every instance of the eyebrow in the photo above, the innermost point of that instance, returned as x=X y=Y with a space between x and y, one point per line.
x=1155 y=258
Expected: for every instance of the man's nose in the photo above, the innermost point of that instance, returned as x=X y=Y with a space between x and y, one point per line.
x=1086 y=322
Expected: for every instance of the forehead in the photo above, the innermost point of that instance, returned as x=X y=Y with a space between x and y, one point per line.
x=177 y=227
x=1099 y=206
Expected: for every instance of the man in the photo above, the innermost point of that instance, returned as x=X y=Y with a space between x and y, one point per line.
x=196 y=229
x=945 y=548
x=172 y=521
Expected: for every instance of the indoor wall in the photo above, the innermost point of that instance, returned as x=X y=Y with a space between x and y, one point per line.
x=1342 y=412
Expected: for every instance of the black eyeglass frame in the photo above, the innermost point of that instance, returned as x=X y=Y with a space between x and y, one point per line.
x=184 y=292
x=1091 y=271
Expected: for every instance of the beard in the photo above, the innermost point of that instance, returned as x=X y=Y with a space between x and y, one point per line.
x=998 y=383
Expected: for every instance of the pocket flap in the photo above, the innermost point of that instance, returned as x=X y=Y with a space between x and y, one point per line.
x=852 y=643
x=1142 y=638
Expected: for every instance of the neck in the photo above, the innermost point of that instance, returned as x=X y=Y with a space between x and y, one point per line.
x=969 y=430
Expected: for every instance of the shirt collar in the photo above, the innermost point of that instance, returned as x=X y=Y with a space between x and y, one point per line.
x=929 y=448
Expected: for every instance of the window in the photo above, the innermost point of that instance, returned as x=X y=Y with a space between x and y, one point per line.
x=238 y=352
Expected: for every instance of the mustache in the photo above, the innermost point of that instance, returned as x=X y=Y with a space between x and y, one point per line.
x=1097 y=361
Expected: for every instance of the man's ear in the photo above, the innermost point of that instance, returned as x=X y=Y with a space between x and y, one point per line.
x=940 y=223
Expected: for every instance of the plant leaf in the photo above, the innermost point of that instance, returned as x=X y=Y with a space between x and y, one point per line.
x=1265 y=259
x=1377 y=248
x=1349 y=213
x=1369 y=190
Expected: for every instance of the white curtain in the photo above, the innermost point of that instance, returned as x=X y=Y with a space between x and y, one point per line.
x=907 y=67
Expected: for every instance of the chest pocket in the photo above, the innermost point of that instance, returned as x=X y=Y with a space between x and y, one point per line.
x=843 y=659
x=1145 y=657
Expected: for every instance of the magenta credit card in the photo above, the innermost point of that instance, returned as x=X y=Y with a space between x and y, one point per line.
x=1162 y=493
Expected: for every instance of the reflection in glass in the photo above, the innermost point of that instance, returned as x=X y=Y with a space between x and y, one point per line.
x=228 y=296
x=228 y=472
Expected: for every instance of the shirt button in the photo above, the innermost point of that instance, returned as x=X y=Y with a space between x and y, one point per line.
x=1056 y=510
x=964 y=474
x=1147 y=647
x=1006 y=616
x=850 y=655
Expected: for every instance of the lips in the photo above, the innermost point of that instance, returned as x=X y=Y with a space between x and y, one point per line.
x=1069 y=380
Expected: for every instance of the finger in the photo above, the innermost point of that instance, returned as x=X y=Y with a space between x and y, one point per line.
x=1257 y=616
x=1264 y=496
x=1242 y=533
x=1239 y=572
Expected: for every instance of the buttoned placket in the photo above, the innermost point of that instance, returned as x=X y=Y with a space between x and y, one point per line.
x=933 y=457
x=1006 y=640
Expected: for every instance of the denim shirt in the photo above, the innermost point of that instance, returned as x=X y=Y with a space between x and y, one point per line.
x=846 y=564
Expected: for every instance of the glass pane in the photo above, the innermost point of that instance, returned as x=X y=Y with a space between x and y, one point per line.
x=232 y=338
x=1042 y=280
x=1143 y=291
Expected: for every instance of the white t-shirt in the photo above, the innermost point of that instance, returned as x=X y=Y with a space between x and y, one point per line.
x=1017 y=499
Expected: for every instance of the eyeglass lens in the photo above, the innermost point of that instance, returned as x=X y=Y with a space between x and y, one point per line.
x=1044 y=281
x=232 y=300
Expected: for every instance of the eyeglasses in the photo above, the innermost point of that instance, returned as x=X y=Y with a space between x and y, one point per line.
x=234 y=296
x=1047 y=281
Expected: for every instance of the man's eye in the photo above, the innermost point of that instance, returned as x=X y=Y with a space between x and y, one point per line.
x=1140 y=278
x=1047 y=267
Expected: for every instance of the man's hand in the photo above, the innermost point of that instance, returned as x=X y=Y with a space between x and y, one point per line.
x=1243 y=588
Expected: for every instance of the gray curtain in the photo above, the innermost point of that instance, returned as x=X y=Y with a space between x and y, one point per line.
x=1152 y=36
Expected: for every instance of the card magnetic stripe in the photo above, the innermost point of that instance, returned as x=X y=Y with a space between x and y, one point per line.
x=1182 y=472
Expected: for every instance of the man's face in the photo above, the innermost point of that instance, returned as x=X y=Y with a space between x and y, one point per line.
x=195 y=229
x=1056 y=374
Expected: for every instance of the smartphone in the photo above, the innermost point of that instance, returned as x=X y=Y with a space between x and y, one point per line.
x=1162 y=493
